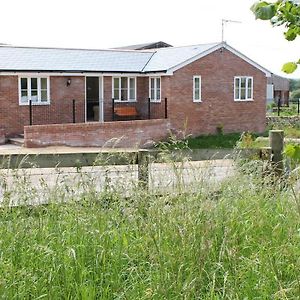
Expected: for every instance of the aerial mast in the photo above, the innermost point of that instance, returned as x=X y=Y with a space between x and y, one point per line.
x=225 y=21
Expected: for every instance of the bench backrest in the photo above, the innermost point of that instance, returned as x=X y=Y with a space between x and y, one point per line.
x=125 y=111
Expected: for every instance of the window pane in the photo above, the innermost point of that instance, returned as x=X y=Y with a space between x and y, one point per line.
x=158 y=83
x=44 y=96
x=124 y=82
x=24 y=96
x=116 y=87
x=243 y=82
x=124 y=94
x=249 y=92
x=132 y=89
x=132 y=83
x=34 y=95
x=34 y=83
x=152 y=94
x=237 y=88
x=152 y=83
x=197 y=87
x=44 y=83
x=116 y=94
x=243 y=94
x=124 y=88
x=157 y=94
x=249 y=83
x=116 y=83
x=132 y=94
x=197 y=83
x=24 y=83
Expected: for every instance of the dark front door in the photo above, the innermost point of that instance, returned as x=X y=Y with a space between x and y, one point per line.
x=92 y=99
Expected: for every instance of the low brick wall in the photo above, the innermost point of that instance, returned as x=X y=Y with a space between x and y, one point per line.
x=2 y=136
x=127 y=134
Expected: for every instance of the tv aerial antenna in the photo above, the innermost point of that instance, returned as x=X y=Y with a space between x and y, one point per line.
x=225 y=21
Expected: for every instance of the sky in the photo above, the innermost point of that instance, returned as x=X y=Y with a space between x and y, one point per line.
x=101 y=24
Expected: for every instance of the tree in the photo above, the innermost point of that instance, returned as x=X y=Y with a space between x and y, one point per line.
x=294 y=85
x=281 y=13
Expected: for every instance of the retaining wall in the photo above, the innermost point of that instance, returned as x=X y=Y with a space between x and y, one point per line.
x=123 y=134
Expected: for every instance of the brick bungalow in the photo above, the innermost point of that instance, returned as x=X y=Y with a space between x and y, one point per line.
x=192 y=89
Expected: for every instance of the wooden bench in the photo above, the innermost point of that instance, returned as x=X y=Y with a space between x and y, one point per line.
x=126 y=112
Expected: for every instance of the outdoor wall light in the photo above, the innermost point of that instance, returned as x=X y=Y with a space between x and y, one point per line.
x=69 y=82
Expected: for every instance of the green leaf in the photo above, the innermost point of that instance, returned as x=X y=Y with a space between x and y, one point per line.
x=293 y=152
x=291 y=34
x=263 y=10
x=289 y=67
x=289 y=150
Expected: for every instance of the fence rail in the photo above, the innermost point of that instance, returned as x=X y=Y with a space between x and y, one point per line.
x=75 y=111
x=67 y=111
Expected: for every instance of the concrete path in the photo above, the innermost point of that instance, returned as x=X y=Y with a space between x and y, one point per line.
x=36 y=186
x=9 y=149
x=286 y=139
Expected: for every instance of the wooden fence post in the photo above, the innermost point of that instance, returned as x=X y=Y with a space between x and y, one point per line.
x=143 y=168
x=276 y=138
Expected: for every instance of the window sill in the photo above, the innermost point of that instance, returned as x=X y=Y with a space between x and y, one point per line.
x=197 y=101
x=243 y=100
x=125 y=101
x=34 y=103
x=155 y=101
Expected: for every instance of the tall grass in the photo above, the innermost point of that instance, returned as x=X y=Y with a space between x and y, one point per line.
x=240 y=241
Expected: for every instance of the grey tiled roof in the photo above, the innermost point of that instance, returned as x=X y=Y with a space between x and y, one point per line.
x=81 y=60
x=48 y=59
x=167 y=58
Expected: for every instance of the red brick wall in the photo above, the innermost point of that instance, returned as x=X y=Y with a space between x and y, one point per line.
x=218 y=108
x=109 y=134
x=13 y=117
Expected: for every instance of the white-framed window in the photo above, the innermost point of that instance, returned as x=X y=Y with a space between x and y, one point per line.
x=124 y=88
x=197 y=88
x=36 y=89
x=155 y=89
x=243 y=88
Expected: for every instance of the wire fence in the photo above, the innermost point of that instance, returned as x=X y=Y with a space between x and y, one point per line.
x=91 y=110
x=67 y=111
x=292 y=108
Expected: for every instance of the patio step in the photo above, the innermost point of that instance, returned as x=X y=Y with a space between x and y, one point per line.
x=18 y=141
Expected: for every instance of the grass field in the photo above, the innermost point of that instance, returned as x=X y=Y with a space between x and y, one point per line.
x=239 y=242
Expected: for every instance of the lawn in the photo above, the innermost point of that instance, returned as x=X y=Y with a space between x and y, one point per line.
x=238 y=242
x=214 y=141
x=229 y=141
x=232 y=140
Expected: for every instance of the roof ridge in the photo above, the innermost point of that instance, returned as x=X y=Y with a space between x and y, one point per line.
x=77 y=49
x=188 y=46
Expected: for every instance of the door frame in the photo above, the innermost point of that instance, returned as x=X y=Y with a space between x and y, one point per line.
x=100 y=100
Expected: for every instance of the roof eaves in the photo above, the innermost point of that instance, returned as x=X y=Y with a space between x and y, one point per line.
x=248 y=60
x=67 y=71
